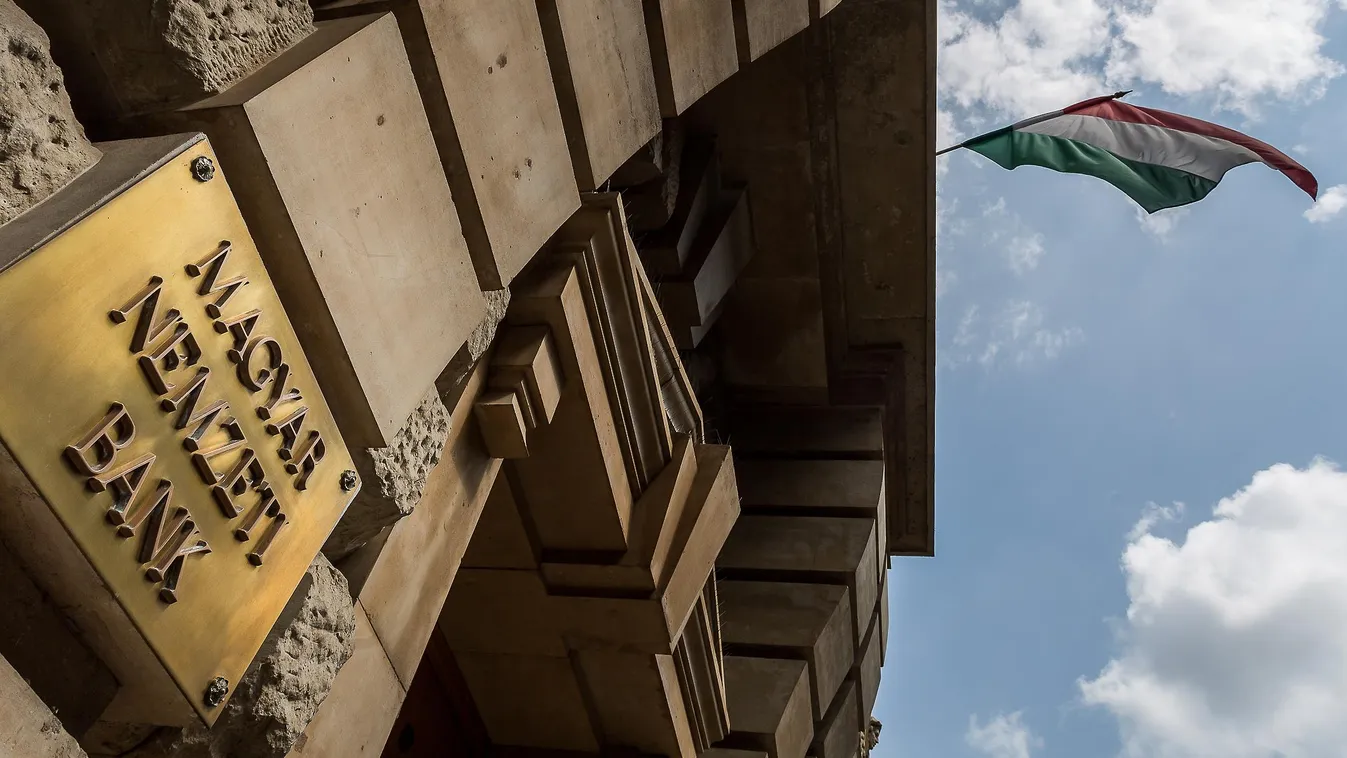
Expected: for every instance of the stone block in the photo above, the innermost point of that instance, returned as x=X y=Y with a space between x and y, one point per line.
x=290 y=678
x=666 y=251
x=488 y=91
x=772 y=332
x=29 y=726
x=809 y=622
x=600 y=57
x=408 y=584
x=838 y=735
x=721 y=249
x=693 y=48
x=768 y=700
x=883 y=618
x=574 y=482
x=760 y=25
x=809 y=432
x=636 y=701
x=810 y=549
x=529 y=701
x=364 y=702
x=327 y=147
x=500 y=539
x=868 y=665
x=507 y=612
x=504 y=428
x=127 y=57
x=526 y=357
x=43 y=145
x=838 y=486
x=36 y=636
x=394 y=477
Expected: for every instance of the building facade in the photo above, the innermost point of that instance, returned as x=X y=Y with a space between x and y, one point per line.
x=460 y=377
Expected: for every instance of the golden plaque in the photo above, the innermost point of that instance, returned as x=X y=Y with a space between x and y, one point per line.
x=177 y=466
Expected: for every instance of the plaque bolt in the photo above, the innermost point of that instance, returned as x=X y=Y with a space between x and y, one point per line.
x=203 y=169
x=216 y=691
x=348 y=480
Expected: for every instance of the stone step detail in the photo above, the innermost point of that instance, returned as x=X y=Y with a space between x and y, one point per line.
x=769 y=705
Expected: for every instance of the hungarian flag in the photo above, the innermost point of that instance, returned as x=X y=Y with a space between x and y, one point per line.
x=1159 y=159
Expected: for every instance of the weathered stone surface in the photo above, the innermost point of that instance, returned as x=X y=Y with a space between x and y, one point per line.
x=288 y=680
x=394 y=477
x=158 y=54
x=27 y=725
x=42 y=146
x=497 y=302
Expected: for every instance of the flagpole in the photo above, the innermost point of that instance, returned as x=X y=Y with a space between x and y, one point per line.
x=1031 y=121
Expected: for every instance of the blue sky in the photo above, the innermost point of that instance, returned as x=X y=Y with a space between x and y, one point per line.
x=1098 y=369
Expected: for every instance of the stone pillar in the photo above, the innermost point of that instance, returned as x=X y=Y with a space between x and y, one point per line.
x=44 y=147
x=128 y=57
x=27 y=725
x=289 y=678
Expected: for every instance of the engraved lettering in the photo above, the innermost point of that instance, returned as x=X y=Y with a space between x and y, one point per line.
x=147 y=328
x=256 y=381
x=129 y=521
x=268 y=506
x=241 y=329
x=289 y=429
x=170 y=538
x=180 y=348
x=95 y=452
x=211 y=266
x=259 y=551
x=306 y=458
x=185 y=403
x=279 y=393
x=201 y=459
x=124 y=484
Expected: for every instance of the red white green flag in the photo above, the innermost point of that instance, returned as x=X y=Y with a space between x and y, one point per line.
x=1159 y=159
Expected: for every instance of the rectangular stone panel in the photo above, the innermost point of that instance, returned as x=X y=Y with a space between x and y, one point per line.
x=760 y=25
x=835 y=485
x=487 y=87
x=328 y=145
x=868 y=666
x=772 y=333
x=529 y=701
x=169 y=465
x=664 y=252
x=838 y=734
x=719 y=252
x=808 y=549
x=600 y=57
x=809 y=432
x=632 y=704
x=768 y=700
x=810 y=622
x=500 y=539
x=692 y=45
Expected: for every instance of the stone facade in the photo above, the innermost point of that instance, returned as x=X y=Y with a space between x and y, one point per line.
x=44 y=147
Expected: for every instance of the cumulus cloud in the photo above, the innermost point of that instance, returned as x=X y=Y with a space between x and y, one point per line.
x=1043 y=54
x=1330 y=204
x=1004 y=736
x=1162 y=223
x=1233 y=644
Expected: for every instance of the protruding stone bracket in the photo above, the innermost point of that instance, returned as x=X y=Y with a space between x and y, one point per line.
x=525 y=386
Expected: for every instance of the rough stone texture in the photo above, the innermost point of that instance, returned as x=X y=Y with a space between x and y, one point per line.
x=42 y=146
x=288 y=680
x=497 y=303
x=870 y=737
x=393 y=477
x=158 y=54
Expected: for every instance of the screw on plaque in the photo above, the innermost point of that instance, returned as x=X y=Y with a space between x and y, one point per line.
x=348 y=480
x=203 y=169
x=216 y=691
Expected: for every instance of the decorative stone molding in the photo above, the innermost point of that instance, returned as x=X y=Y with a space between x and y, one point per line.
x=525 y=384
x=700 y=657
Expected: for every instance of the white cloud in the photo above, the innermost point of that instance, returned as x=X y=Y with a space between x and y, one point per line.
x=1004 y=736
x=1233 y=645
x=1044 y=54
x=1024 y=252
x=1017 y=335
x=1331 y=202
x=1161 y=224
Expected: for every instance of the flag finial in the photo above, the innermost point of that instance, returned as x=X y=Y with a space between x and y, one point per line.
x=1121 y=94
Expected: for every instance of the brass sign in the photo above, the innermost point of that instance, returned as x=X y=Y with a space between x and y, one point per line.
x=156 y=396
